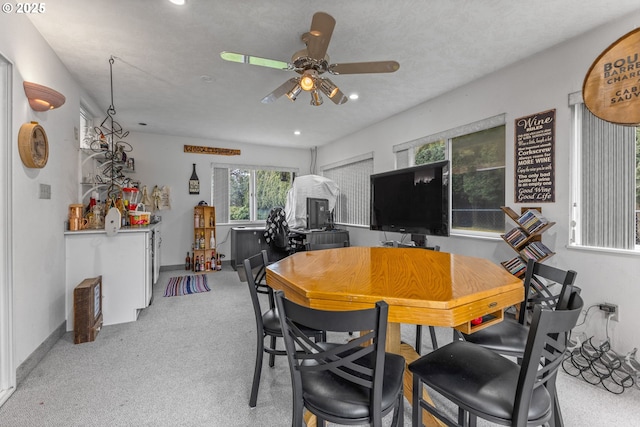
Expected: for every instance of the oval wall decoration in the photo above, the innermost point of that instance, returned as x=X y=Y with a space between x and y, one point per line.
x=611 y=88
x=33 y=145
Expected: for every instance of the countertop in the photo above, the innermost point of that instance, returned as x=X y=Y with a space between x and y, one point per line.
x=129 y=229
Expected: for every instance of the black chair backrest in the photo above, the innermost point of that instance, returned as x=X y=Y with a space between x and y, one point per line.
x=341 y=359
x=320 y=246
x=254 y=266
x=539 y=283
x=546 y=344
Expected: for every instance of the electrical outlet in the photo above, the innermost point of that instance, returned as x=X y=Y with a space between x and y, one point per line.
x=611 y=310
x=45 y=191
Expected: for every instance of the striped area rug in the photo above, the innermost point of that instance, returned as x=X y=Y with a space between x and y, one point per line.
x=185 y=285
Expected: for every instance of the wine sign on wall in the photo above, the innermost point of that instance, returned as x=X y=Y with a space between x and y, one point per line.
x=534 y=158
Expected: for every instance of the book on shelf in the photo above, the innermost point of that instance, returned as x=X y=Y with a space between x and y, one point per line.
x=516 y=266
x=532 y=220
x=515 y=237
x=536 y=251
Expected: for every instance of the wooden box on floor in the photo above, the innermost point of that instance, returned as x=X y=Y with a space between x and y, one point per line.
x=87 y=310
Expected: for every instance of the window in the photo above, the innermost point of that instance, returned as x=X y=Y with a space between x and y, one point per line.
x=605 y=196
x=477 y=155
x=352 y=177
x=85 y=128
x=248 y=193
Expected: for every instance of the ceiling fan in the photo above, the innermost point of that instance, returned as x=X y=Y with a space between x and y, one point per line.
x=311 y=63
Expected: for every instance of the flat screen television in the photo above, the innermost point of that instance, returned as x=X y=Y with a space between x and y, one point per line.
x=318 y=215
x=412 y=200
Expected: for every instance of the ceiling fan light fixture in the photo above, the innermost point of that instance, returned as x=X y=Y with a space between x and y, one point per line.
x=308 y=80
x=316 y=98
x=293 y=93
x=328 y=88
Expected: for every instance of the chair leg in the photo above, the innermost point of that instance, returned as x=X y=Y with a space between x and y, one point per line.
x=257 y=372
x=434 y=341
x=298 y=413
x=398 y=412
x=272 y=357
x=416 y=416
x=418 y=339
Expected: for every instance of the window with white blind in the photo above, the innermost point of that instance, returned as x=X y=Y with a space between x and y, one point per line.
x=244 y=193
x=352 y=177
x=605 y=196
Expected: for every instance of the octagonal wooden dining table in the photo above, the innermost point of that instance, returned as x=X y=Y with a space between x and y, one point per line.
x=420 y=286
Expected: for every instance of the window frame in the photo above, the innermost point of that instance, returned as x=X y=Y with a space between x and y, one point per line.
x=253 y=210
x=405 y=157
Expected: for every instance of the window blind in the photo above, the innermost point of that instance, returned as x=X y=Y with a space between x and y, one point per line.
x=352 y=178
x=607 y=187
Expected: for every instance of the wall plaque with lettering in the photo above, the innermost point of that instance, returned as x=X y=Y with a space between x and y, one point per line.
x=611 y=88
x=534 y=158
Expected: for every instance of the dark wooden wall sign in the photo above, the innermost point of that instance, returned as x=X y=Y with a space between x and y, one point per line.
x=211 y=150
x=534 y=157
x=611 y=88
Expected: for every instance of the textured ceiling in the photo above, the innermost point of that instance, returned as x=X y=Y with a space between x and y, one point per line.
x=164 y=53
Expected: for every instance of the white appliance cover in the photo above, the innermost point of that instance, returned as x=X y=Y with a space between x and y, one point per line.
x=308 y=186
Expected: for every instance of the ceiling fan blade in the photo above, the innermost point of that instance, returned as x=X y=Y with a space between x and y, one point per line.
x=319 y=35
x=255 y=60
x=364 y=67
x=280 y=90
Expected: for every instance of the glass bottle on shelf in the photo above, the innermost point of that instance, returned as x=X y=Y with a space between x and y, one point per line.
x=187 y=262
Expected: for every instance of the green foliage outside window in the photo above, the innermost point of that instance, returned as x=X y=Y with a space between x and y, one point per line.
x=239 y=180
x=271 y=191
x=271 y=188
x=477 y=177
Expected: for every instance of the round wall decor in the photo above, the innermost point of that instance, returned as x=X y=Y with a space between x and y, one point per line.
x=33 y=145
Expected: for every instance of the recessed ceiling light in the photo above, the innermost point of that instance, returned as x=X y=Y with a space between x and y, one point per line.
x=296 y=132
x=353 y=96
x=178 y=2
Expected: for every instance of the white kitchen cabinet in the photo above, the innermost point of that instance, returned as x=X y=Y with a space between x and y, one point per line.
x=125 y=262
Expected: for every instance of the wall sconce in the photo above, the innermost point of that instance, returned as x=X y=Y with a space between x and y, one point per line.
x=42 y=98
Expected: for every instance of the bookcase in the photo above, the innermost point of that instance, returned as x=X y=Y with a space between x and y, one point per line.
x=526 y=239
x=204 y=253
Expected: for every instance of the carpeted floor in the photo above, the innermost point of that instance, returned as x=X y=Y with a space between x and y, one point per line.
x=189 y=362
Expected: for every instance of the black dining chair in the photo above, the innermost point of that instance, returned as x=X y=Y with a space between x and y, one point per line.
x=544 y=285
x=484 y=384
x=267 y=322
x=352 y=382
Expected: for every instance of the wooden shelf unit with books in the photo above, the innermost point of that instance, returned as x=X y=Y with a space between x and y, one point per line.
x=526 y=239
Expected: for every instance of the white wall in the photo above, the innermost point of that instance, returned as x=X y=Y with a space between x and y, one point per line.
x=38 y=225
x=161 y=160
x=534 y=85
